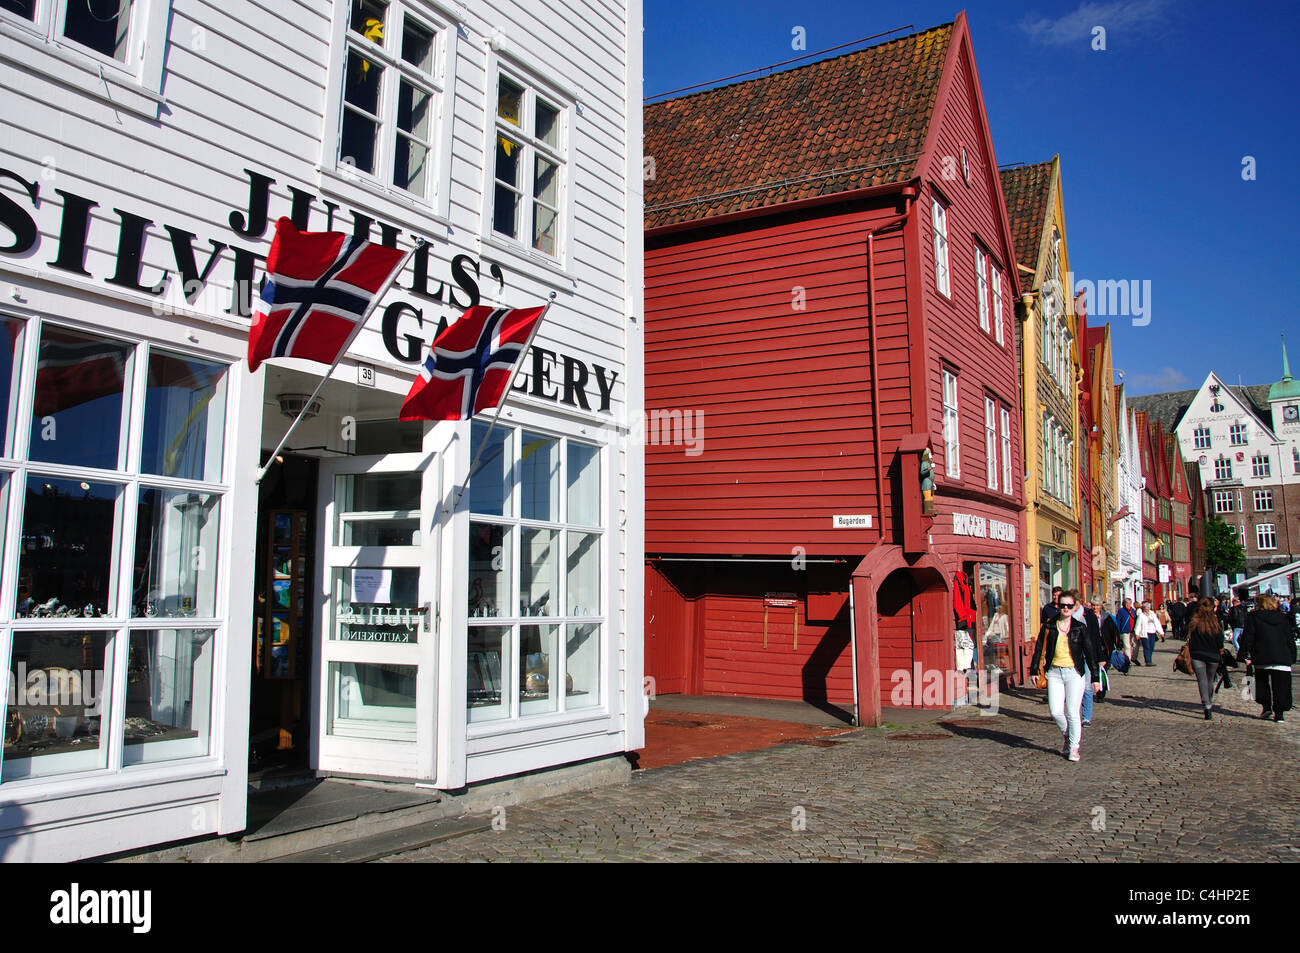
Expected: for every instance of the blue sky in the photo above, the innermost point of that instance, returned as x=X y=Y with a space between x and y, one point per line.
x=1152 y=131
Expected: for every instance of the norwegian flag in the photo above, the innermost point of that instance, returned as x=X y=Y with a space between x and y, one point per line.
x=471 y=363
x=320 y=288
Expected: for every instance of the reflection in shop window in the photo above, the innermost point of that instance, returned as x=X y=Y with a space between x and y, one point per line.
x=168 y=695
x=66 y=565
x=175 y=554
x=584 y=484
x=77 y=415
x=489 y=485
x=995 y=609
x=584 y=573
x=540 y=477
x=490 y=564
x=184 y=417
x=483 y=673
x=582 y=663
x=536 y=652
x=375 y=701
x=539 y=579
x=11 y=332
x=58 y=697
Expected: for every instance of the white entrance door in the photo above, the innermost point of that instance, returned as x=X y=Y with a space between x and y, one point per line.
x=378 y=616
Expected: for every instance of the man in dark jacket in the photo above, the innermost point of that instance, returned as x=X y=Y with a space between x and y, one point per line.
x=1177 y=609
x=1268 y=641
x=1051 y=611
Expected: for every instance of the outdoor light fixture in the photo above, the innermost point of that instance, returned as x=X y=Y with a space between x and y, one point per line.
x=292 y=404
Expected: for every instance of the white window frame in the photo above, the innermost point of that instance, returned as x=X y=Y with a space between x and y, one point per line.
x=134 y=83
x=1006 y=450
x=1201 y=438
x=1242 y=530
x=339 y=175
x=1261 y=466
x=561 y=99
x=982 y=287
x=939 y=223
x=1265 y=536
x=1223 y=468
x=1263 y=501
x=1222 y=501
x=997 y=305
x=1237 y=435
x=951 y=426
x=991 y=442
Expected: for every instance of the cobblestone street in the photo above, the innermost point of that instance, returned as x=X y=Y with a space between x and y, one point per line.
x=1156 y=783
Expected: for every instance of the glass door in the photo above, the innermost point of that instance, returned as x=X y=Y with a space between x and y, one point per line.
x=377 y=607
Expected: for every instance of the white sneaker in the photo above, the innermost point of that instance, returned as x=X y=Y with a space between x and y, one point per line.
x=1074 y=754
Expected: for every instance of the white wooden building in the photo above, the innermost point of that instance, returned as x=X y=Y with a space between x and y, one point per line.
x=374 y=620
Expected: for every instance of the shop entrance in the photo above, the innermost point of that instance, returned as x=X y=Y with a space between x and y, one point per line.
x=376 y=608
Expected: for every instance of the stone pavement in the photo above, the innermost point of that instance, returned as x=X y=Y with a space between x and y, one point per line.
x=1156 y=783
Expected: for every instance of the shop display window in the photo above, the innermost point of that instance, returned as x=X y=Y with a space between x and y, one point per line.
x=66 y=562
x=112 y=536
x=77 y=415
x=995 y=613
x=168 y=695
x=542 y=502
x=175 y=554
x=57 y=702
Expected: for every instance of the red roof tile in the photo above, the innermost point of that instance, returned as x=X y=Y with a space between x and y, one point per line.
x=1026 y=189
x=843 y=123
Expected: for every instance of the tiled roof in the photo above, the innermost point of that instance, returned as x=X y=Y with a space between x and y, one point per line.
x=1026 y=188
x=1168 y=408
x=843 y=123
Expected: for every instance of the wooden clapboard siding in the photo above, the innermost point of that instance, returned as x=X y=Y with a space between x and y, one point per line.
x=781 y=394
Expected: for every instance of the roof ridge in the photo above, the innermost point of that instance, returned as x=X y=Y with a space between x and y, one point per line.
x=796 y=69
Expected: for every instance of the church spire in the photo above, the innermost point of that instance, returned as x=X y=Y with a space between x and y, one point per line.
x=1286 y=368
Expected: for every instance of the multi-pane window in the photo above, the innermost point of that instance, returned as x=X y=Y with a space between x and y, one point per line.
x=1260 y=465
x=939 y=216
x=1201 y=437
x=110 y=622
x=1265 y=536
x=1182 y=549
x=982 y=286
x=1241 y=530
x=1223 y=468
x=1180 y=514
x=529 y=166
x=1295 y=459
x=391 y=89
x=1223 y=501
x=1237 y=435
x=991 y=442
x=1006 y=450
x=951 y=426
x=101 y=26
x=996 y=281
x=536 y=605
x=1263 y=500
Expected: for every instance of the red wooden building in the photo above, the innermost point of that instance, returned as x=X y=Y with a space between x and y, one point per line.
x=830 y=291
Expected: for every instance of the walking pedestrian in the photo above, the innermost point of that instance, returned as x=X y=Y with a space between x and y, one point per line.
x=1052 y=609
x=1205 y=638
x=1126 y=619
x=1067 y=657
x=1166 y=623
x=1268 y=640
x=1087 y=614
x=1145 y=630
x=1178 y=618
x=1237 y=622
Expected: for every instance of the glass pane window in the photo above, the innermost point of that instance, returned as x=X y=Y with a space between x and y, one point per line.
x=374 y=604
x=539 y=572
x=11 y=336
x=77 y=415
x=378 y=509
x=582 y=665
x=539 y=669
x=367 y=19
x=528 y=164
x=100 y=25
x=490 y=566
x=584 y=484
x=184 y=417
x=483 y=673
x=58 y=698
x=372 y=701
x=982 y=287
x=940 y=219
x=490 y=482
x=539 y=480
x=951 y=426
x=175 y=554
x=584 y=574
x=66 y=564
x=168 y=695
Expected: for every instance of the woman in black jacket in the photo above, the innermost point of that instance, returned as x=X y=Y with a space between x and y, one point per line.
x=1205 y=641
x=1065 y=648
x=1269 y=642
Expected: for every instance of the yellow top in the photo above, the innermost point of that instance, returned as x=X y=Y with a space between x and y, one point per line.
x=1062 y=656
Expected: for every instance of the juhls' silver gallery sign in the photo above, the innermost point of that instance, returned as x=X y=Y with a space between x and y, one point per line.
x=966 y=524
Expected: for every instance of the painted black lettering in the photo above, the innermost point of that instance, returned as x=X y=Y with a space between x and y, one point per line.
x=15 y=218
x=468 y=283
x=541 y=374
x=192 y=280
x=241 y=297
x=130 y=252
x=259 y=193
x=575 y=383
x=73 y=229
x=300 y=212
x=606 y=386
x=411 y=352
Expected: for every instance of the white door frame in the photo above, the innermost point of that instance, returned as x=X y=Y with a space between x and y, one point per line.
x=413 y=759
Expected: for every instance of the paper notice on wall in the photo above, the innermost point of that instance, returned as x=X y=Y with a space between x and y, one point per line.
x=372 y=586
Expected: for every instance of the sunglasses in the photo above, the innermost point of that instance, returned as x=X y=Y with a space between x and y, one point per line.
x=1067 y=605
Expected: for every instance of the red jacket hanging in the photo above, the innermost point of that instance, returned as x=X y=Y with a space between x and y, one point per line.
x=963 y=603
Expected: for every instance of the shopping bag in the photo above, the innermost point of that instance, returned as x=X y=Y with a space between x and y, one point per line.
x=1119 y=662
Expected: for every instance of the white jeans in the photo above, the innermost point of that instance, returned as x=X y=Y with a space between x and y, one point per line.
x=1064 y=696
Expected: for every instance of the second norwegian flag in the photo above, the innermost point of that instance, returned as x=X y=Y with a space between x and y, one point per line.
x=471 y=364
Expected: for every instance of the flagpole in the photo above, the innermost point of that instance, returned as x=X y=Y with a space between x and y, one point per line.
x=361 y=322
x=501 y=406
